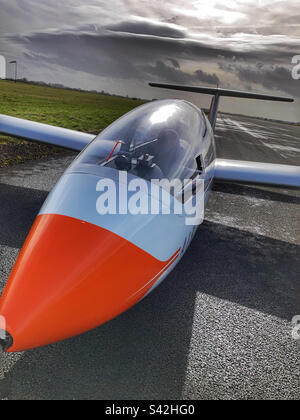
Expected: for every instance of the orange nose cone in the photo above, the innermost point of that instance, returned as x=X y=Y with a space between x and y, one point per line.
x=72 y=276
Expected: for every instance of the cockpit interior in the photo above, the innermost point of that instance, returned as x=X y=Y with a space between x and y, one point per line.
x=160 y=140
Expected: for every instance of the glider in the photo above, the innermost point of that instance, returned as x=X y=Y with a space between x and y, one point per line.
x=79 y=269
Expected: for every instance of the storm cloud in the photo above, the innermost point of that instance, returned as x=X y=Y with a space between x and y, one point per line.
x=120 y=45
x=272 y=77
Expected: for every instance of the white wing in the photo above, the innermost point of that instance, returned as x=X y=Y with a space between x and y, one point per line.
x=43 y=133
x=257 y=173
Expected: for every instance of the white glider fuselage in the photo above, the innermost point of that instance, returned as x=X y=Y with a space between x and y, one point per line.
x=87 y=258
x=86 y=266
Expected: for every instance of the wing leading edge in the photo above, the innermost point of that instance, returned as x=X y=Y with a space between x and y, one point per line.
x=43 y=133
x=257 y=173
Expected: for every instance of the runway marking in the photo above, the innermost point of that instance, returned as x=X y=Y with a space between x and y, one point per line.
x=283 y=148
x=241 y=127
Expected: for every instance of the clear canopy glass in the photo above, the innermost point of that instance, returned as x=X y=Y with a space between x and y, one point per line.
x=158 y=140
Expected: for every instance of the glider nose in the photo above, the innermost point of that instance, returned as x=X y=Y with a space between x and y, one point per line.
x=71 y=276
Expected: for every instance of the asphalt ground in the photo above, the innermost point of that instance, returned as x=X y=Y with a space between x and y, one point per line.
x=219 y=327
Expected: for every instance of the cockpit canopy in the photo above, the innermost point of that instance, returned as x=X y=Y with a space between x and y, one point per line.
x=161 y=139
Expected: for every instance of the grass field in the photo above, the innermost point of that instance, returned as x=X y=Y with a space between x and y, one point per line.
x=80 y=111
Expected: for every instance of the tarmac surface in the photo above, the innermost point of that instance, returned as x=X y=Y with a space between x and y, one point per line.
x=219 y=327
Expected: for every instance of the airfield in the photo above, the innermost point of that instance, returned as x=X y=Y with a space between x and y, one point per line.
x=219 y=327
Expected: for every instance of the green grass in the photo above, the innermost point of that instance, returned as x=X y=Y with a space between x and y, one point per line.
x=82 y=111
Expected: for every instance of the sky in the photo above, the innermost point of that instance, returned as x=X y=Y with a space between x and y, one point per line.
x=120 y=45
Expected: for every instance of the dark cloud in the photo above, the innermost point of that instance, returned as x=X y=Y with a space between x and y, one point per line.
x=271 y=77
x=143 y=27
x=104 y=54
x=144 y=52
x=160 y=71
x=211 y=79
x=244 y=43
x=174 y=63
x=100 y=50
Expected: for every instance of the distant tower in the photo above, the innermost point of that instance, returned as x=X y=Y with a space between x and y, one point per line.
x=16 y=68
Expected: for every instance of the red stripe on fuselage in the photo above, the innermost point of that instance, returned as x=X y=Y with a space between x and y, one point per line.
x=158 y=275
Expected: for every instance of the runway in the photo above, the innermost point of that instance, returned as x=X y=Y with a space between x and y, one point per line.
x=219 y=327
x=257 y=140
